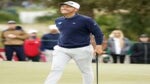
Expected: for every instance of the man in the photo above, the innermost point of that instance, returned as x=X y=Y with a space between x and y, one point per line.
x=74 y=43
x=13 y=41
x=32 y=46
x=49 y=40
x=141 y=50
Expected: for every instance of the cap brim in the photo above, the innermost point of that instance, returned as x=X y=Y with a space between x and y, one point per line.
x=64 y=4
x=74 y=5
x=11 y=23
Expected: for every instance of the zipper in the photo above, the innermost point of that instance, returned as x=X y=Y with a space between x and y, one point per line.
x=145 y=53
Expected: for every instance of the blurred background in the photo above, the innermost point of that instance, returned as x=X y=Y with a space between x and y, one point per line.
x=130 y=16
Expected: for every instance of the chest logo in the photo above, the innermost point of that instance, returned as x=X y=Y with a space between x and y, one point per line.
x=73 y=23
x=59 y=23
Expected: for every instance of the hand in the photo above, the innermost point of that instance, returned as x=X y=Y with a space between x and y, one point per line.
x=11 y=36
x=98 y=49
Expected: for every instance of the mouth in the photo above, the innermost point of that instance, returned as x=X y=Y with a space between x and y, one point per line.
x=64 y=11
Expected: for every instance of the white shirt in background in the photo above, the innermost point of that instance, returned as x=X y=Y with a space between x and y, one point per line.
x=117 y=45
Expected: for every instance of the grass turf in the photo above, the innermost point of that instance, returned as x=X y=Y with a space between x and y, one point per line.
x=36 y=73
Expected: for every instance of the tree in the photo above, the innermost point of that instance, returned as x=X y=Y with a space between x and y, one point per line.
x=137 y=20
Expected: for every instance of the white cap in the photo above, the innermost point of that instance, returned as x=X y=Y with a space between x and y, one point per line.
x=71 y=3
x=52 y=27
x=32 y=31
x=11 y=22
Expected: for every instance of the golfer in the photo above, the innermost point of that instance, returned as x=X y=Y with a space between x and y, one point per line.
x=74 y=43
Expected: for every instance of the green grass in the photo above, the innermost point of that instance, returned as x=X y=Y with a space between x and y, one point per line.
x=36 y=73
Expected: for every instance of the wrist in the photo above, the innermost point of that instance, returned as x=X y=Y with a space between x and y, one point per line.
x=100 y=46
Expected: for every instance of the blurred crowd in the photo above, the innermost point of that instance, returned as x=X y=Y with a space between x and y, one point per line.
x=27 y=46
x=20 y=45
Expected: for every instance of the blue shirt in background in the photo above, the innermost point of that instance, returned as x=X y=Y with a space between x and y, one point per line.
x=48 y=41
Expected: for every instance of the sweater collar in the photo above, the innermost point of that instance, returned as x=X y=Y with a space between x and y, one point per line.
x=71 y=17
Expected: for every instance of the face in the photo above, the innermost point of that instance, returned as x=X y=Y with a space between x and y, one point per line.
x=144 y=39
x=117 y=34
x=33 y=34
x=11 y=26
x=66 y=9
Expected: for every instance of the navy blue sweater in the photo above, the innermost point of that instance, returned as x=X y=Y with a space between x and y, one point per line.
x=48 y=41
x=75 y=32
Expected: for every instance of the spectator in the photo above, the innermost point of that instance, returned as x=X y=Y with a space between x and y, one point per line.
x=49 y=41
x=118 y=46
x=13 y=41
x=141 y=50
x=32 y=46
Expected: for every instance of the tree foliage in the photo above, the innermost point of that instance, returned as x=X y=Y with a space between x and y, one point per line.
x=133 y=23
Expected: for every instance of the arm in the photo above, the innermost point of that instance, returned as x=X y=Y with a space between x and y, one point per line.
x=128 y=45
x=95 y=30
x=92 y=41
x=2 y=37
x=23 y=36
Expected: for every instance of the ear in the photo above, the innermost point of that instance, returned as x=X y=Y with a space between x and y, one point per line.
x=76 y=10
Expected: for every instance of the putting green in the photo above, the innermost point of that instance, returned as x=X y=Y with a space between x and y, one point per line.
x=36 y=73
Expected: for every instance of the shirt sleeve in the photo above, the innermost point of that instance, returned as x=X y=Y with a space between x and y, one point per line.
x=95 y=30
x=23 y=36
x=2 y=37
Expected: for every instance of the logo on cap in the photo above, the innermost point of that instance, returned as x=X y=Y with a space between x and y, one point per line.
x=71 y=3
